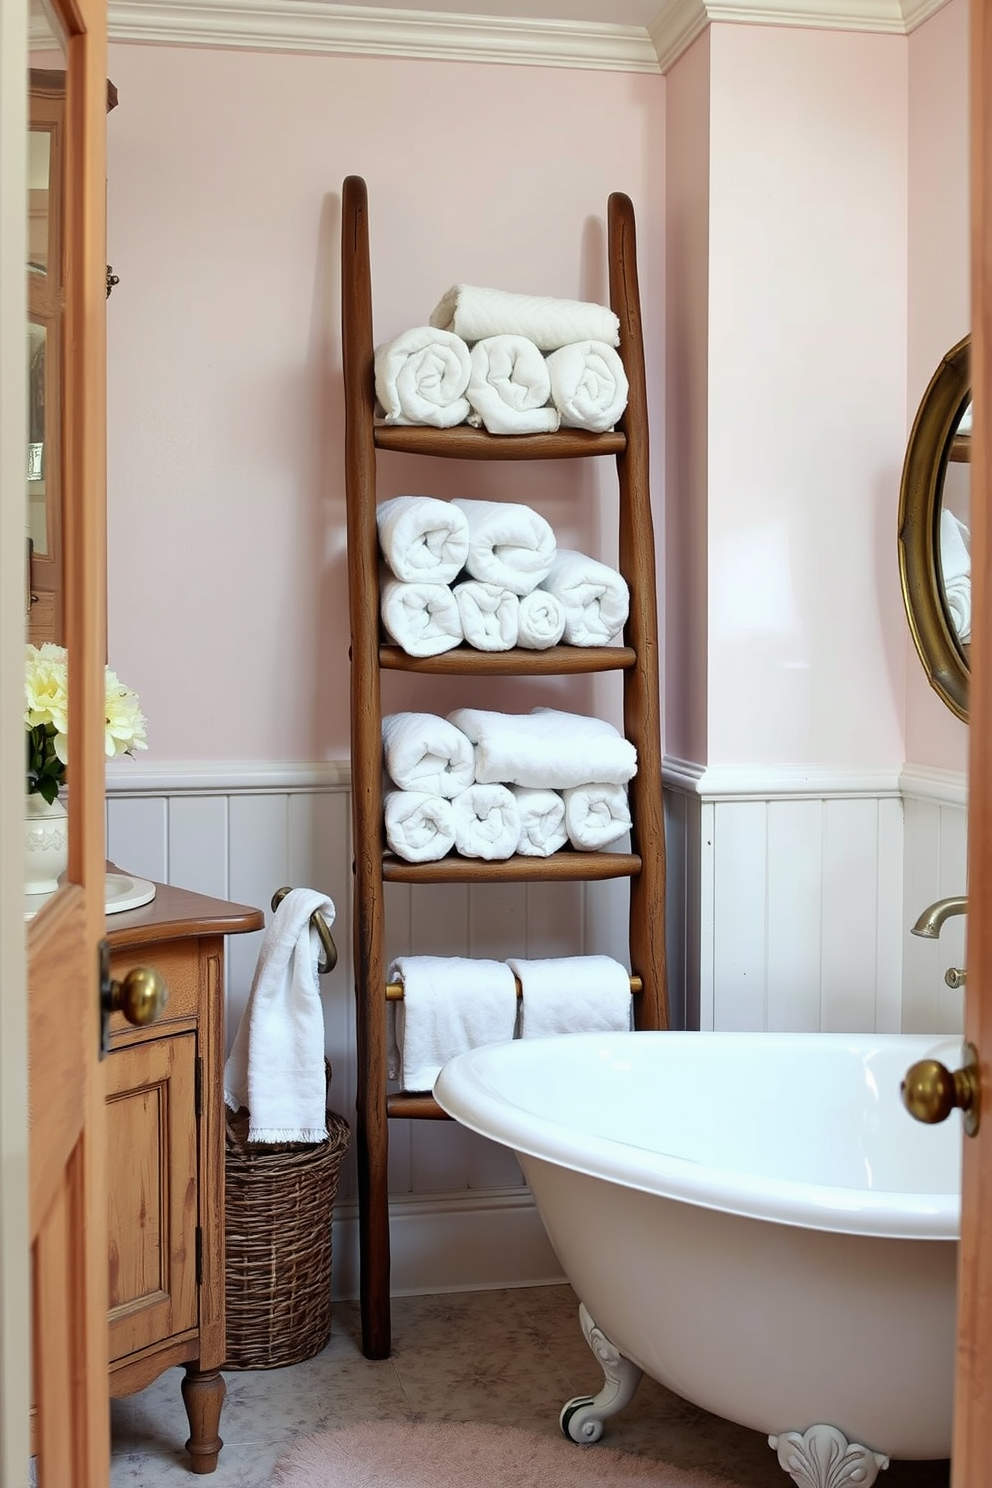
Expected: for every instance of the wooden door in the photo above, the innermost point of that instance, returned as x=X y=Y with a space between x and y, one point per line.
x=67 y=1197
x=972 y=1453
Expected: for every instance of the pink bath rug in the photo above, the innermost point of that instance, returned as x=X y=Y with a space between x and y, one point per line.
x=466 y=1454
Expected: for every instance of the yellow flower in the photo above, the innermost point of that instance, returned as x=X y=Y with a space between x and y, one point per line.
x=125 y=720
x=46 y=718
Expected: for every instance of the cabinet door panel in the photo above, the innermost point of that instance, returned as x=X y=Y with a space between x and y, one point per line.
x=152 y=1182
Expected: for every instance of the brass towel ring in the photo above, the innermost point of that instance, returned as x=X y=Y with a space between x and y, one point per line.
x=330 y=958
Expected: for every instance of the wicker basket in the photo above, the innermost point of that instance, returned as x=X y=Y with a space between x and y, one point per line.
x=279 y=1206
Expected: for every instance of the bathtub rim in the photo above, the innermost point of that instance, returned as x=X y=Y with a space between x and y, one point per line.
x=462 y=1090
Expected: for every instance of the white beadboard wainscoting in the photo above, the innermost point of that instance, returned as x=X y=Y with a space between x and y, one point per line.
x=790 y=896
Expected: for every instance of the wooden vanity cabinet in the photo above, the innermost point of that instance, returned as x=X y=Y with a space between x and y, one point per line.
x=165 y=1170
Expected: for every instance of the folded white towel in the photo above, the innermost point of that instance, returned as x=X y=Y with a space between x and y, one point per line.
x=423 y=752
x=508 y=543
x=450 y=1004
x=545 y=748
x=489 y=614
x=422 y=618
x=596 y=815
x=420 y=828
x=542 y=821
x=509 y=387
x=276 y=1064
x=540 y=620
x=955 y=571
x=487 y=822
x=595 y=597
x=421 y=377
x=474 y=313
x=572 y=994
x=588 y=385
x=422 y=538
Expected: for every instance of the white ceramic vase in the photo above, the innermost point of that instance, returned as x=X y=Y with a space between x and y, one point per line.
x=46 y=844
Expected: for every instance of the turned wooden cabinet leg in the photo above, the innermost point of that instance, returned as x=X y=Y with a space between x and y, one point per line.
x=203 y=1396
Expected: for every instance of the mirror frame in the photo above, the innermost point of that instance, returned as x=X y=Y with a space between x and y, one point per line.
x=945 y=659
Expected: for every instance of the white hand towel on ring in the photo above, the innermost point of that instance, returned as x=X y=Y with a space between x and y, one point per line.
x=572 y=994
x=276 y=1064
x=450 y=1004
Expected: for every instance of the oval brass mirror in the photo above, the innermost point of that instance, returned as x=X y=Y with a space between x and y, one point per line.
x=934 y=529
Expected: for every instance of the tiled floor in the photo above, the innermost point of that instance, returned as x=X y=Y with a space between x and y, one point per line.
x=512 y=1357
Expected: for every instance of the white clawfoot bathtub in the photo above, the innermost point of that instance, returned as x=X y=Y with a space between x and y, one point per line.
x=754 y=1220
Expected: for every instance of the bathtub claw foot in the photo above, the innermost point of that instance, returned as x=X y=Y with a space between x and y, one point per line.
x=582 y=1418
x=822 y=1457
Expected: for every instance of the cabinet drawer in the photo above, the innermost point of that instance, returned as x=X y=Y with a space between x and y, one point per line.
x=178 y=963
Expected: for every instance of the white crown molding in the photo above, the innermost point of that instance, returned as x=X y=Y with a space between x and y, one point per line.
x=358 y=30
x=928 y=783
x=778 y=782
x=312 y=26
x=138 y=777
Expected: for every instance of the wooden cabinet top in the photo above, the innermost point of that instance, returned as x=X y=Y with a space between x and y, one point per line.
x=177 y=913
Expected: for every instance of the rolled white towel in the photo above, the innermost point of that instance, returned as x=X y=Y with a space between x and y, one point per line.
x=596 y=598
x=422 y=618
x=420 y=828
x=421 y=377
x=474 y=313
x=509 y=387
x=596 y=815
x=545 y=748
x=588 y=385
x=572 y=994
x=955 y=571
x=450 y=1004
x=508 y=543
x=422 y=538
x=487 y=822
x=540 y=620
x=489 y=614
x=423 y=752
x=542 y=821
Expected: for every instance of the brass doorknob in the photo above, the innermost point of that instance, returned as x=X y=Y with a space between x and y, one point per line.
x=141 y=996
x=930 y=1091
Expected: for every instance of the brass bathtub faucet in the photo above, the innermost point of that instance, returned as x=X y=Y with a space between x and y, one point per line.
x=931 y=921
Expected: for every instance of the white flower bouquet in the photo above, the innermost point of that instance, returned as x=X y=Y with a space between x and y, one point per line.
x=46 y=718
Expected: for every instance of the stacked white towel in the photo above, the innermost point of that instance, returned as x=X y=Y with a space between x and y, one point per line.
x=955 y=571
x=546 y=748
x=540 y=620
x=420 y=827
x=588 y=385
x=489 y=614
x=542 y=821
x=595 y=598
x=422 y=538
x=487 y=822
x=510 y=388
x=508 y=544
x=276 y=1064
x=450 y=1004
x=475 y=313
x=422 y=752
x=596 y=815
x=572 y=994
x=421 y=617
x=421 y=377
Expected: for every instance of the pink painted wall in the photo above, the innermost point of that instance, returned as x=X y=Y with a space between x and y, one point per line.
x=228 y=591
x=807 y=356
x=939 y=291
x=687 y=249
